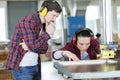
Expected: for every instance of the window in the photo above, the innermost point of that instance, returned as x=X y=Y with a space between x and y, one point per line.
x=3 y=21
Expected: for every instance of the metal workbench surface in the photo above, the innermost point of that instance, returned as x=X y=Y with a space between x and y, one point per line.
x=89 y=69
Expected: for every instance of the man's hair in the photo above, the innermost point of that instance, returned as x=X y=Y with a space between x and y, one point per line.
x=52 y=5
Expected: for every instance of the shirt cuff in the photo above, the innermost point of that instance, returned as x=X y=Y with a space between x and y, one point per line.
x=58 y=54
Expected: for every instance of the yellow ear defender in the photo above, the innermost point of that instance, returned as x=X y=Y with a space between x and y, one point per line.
x=43 y=11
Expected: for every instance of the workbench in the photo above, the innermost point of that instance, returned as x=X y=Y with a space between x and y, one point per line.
x=88 y=69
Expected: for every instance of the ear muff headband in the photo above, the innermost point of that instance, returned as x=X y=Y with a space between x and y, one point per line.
x=83 y=29
x=43 y=11
x=80 y=30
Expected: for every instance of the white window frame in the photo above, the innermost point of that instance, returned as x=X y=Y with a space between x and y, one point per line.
x=3 y=21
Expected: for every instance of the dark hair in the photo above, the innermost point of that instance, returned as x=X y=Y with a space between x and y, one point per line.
x=98 y=35
x=52 y=5
x=83 y=32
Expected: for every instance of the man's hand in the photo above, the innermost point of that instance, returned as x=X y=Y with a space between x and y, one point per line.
x=50 y=28
x=23 y=44
x=70 y=55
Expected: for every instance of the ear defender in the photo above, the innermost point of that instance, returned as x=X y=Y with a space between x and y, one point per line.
x=43 y=11
x=92 y=39
x=74 y=40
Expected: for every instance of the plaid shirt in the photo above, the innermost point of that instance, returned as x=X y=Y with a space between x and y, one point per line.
x=28 y=28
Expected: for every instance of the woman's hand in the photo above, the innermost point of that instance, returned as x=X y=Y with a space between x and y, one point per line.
x=70 y=55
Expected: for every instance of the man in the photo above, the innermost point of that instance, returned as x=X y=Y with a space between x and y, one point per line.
x=82 y=47
x=30 y=38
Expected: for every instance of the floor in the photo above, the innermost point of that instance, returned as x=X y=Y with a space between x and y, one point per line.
x=49 y=72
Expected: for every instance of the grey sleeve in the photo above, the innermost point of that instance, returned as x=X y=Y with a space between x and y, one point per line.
x=58 y=54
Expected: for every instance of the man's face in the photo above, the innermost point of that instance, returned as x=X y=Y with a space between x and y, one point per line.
x=83 y=43
x=51 y=16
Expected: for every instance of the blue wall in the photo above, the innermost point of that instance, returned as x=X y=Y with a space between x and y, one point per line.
x=74 y=24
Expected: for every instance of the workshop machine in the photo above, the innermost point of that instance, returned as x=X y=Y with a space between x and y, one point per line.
x=108 y=50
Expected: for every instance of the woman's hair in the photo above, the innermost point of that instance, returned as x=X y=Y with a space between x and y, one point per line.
x=98 y=35
x=83 y=32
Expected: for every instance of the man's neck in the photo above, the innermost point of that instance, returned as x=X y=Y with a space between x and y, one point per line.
x=42 y=19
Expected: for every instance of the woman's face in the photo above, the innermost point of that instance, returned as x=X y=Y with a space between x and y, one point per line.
x=83 y=43
x=51 y=16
